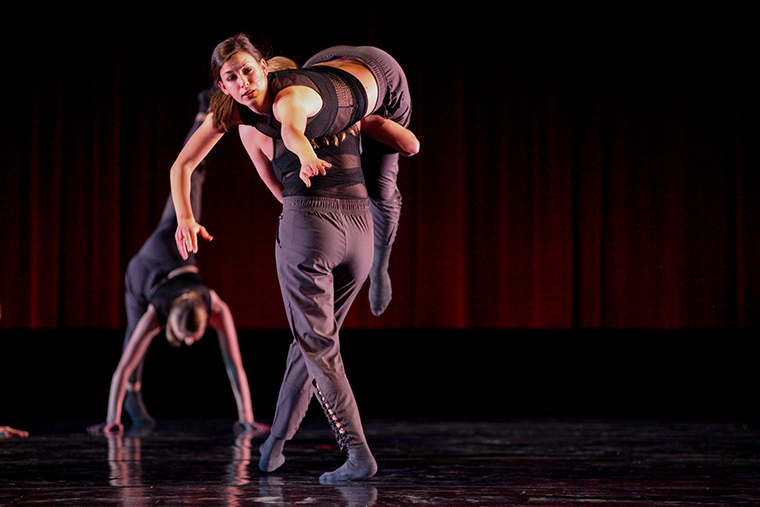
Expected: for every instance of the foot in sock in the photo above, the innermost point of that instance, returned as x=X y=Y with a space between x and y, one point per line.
x=359 y=465
x=271 y=454
x=134 y=406
x=380 y=290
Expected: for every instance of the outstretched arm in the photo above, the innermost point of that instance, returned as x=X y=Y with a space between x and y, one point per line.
x=147 y=328
x=195 y=150
x=292 y=107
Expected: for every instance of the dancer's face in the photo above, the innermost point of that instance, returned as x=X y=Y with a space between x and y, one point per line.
x=245 y=79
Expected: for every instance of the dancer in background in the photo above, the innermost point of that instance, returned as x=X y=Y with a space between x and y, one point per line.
x=164 y=291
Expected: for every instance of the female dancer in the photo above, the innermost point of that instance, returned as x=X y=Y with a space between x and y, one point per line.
x=165 y=291
x=379 y=159
x=301 y=105
x=324 y=246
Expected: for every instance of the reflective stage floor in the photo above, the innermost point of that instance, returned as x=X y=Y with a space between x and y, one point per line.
x=455 y=418
x=531 y=461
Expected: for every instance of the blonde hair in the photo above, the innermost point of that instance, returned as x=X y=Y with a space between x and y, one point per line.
x=280 y=63
x=222 y=106
x=188 y=313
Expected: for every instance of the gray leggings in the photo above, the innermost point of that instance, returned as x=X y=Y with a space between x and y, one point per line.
x=379 y=162
x=323 y=253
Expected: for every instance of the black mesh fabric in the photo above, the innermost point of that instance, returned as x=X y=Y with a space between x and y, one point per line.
x=344 y=101
x=343 y=180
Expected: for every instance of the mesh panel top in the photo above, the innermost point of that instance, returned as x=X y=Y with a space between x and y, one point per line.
x=343 y=180
x=344 y=101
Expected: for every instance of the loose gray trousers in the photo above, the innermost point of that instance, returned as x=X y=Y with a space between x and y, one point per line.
x=379 y=162
x=323 y=253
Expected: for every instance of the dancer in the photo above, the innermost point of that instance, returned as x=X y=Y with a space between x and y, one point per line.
x=323 y=251
x=379 y=159
x=301 y=105
x=323 y=254
x=165 y=291
x=155 y=260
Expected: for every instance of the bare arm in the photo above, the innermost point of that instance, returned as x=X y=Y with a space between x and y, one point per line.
x=147 y=328
x=292 y=107
x=221 y=320
x=195 y=150
x=391 y=133
x=255 y=144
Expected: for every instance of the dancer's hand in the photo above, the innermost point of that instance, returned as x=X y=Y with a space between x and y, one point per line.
x=186 y=236
x=8 y=432
x=313 y=167
x=106 y=429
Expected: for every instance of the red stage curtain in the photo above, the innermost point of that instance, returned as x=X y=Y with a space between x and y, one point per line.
x=560 y=185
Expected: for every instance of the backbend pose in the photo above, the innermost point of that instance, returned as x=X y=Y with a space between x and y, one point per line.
x=165 y=291
x=295 y=114
x=324 y=246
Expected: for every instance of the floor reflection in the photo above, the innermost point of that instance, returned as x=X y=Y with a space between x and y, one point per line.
x=239 y=484
x=480 y=464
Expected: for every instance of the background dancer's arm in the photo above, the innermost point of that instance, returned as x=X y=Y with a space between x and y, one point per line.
x=222 y=322
x=147 y=328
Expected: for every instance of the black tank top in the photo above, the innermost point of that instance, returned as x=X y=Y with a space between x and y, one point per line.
x=343 y=96
x=344 y=180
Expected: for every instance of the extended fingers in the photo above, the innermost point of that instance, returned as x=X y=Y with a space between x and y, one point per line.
x=184 y=244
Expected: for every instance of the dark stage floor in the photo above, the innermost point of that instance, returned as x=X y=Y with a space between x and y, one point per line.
x=455 y=418
x=537 y=461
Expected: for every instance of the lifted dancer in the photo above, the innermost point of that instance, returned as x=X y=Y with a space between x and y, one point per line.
x=379 y=157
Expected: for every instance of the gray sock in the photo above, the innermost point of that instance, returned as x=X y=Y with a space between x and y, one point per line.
x=271 y=454
x=359 y=465
x=380 y=291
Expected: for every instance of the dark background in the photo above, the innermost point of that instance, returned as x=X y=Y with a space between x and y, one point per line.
x=579 y=233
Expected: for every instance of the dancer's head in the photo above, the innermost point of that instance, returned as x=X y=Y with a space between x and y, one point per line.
x=228 y=48
x=240 y=70
x=187 y=321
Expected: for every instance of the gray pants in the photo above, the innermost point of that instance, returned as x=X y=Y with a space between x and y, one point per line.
x=379 y=162
x=323 y=254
